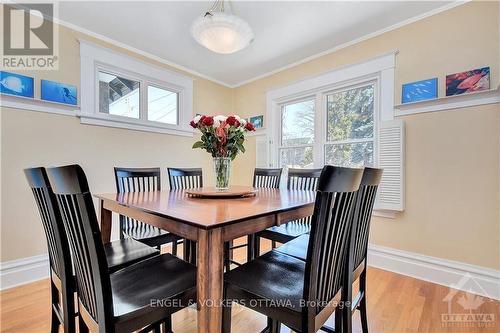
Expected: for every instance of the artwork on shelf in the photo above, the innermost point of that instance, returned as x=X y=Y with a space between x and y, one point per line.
x=58 y=92
x=419 y=91
x=469 y=81
x=16 y=84
x=257 y=121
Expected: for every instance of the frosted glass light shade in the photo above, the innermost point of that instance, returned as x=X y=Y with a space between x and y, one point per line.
x=222 y=33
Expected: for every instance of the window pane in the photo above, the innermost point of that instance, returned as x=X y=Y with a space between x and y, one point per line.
x=350 y=155
x=118 y=96
x=296 y=157
x=162 y=105
x=350 y=114
x=297 y=123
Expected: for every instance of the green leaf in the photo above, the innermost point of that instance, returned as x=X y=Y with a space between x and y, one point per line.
x=198 y=144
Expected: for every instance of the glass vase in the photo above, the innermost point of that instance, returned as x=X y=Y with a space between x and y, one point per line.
x=222 y=167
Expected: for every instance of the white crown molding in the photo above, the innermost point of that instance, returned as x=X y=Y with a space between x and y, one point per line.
x=140 y=52
x=357 y=40
x=436 y=270
x=299 y=62
x=22 y=271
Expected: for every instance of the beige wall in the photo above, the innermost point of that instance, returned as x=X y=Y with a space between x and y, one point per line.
x=452 y=167
x=453 y=162
x=32 y=138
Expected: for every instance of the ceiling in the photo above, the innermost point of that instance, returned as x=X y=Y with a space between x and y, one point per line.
x=285 y=32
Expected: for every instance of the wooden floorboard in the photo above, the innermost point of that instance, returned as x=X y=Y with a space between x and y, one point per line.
x=396 y=303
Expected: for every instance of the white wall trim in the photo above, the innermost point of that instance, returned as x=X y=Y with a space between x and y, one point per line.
x=34 y=104
x=449 y=103
x=436 y=270
x=22 y=271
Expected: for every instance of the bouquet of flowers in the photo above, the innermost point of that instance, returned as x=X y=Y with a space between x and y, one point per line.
x=223 y=138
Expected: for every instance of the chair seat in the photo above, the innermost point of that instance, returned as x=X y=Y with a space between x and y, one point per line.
x=286 y=232
x=125 y=252
x=272 y=276
x=136 y=288
x=150 y=235
x=296 y=248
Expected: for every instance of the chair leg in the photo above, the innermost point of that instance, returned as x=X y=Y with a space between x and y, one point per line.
x=274 y=325
x=186 y=249
x=256 y=247
x=250 y=247
x=338 y=320
x=227 y=256
x=167 y=325
x=174 y=247
x=192 y=253
x=54 y=323
x=362 y=303
x=82 y=328
x=226 y=318
x=273 y=244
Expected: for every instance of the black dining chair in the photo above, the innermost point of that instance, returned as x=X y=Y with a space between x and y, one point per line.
x=365 y=200
x=262 y=178
x=298 y=179
x=183 y=179
x=119 y=254
x=142 y=180
x=127 y=300
x=303 y=294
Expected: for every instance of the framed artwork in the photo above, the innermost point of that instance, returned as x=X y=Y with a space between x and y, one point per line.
x=257 y=121
x=16 y=84
x=58 y=92
x=469 y=81
x=419 y=91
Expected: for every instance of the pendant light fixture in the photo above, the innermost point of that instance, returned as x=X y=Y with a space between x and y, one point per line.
x=221 y=32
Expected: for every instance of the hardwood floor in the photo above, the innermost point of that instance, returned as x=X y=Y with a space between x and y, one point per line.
x=396 y=303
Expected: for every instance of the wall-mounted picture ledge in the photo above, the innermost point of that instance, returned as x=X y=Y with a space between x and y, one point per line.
x=36 y=104
x=449 y=103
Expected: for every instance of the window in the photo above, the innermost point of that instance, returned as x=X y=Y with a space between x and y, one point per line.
x=119 y=91
x=349 y=138
x=343 y=117
x=350 y=126
x=297 y=134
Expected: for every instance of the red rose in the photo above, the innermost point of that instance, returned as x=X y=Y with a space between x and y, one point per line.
x=249 y=127
x=207 y=121
x=193 y=124
x=232 y=121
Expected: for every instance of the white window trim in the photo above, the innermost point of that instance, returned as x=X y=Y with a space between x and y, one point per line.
x=381 y=69
x=94 y=58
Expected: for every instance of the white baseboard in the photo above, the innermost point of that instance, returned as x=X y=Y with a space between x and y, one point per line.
x=18 y=272
x=475 y=279
x=454 y=274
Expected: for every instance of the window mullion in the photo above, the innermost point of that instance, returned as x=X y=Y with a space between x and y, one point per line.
x=319 y=131
x=143 y=101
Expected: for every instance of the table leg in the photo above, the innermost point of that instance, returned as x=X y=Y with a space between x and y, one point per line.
x=105 y=223
x=210 y=279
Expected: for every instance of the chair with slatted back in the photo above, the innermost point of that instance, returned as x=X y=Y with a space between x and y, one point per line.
x=298 y=179
x=365 y=201
x=142 y=180
x=183 y=179
x=302 y=295
x=262 y=178
x=61 y=272
x=119 y=254
x=123 y=301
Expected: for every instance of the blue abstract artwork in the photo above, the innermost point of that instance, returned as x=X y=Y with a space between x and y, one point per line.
x=420 y=90
x=16 y=84
x=58 y=92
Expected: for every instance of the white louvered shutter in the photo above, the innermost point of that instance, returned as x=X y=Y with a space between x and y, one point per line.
x=261 y=152
x=391 y=159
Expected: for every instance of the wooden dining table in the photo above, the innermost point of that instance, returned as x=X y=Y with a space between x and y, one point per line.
x=210 y=223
